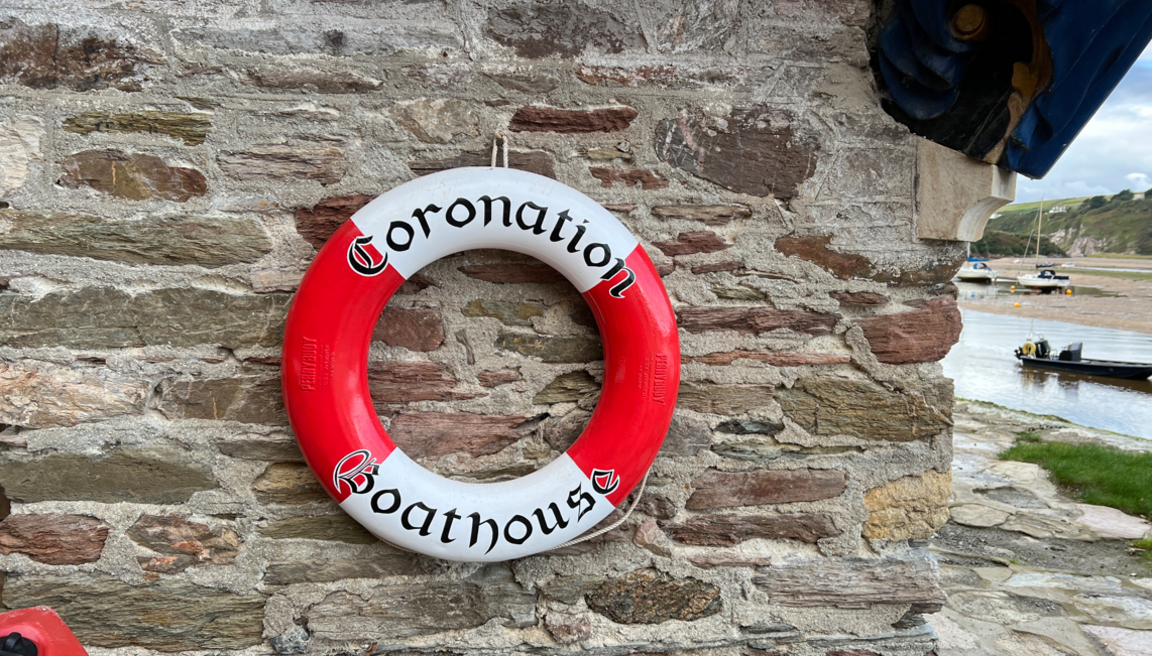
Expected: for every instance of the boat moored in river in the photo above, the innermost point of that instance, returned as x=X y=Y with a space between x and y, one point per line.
x=976 y=270
x=1045 y=281
x=1039 y=354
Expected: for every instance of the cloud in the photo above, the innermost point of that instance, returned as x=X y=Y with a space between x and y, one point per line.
x=1112 y=152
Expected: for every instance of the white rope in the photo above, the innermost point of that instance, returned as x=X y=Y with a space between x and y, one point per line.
x=500 y=138
x=635 y=502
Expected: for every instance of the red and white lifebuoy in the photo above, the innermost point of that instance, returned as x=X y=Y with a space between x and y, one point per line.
x=330 y=325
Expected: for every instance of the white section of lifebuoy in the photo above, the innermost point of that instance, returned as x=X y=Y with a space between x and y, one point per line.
x=411 y=507
x=420 y=222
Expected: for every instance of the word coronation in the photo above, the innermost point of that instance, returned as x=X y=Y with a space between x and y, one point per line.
x=528 y=217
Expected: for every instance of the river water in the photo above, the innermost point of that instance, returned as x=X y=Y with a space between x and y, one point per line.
x=984 y=368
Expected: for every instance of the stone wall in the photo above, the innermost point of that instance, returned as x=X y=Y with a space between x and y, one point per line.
x=169 y=170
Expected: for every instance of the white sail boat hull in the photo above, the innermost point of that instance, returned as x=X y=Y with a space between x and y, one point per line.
x=1032 y=281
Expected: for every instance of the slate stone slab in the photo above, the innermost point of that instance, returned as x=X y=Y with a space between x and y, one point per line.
x=424 y=607
x=169 y=615
x=206 y=241
x=113 y=318
x=125 y=474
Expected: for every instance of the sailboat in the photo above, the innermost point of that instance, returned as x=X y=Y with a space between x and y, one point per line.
x=1046 y=280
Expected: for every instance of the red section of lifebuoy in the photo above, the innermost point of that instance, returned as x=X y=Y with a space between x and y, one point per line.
x=324 y=366
x=44 y=628
x=325 y=384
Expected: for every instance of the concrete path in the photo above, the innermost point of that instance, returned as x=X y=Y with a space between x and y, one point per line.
x=1028 y=571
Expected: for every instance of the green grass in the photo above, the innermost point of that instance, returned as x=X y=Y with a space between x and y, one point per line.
x=1030 y=437
x=1145 y=546
x=1131 y=275
x=1121 y=256
x=1099 y=475
x=1034 y=205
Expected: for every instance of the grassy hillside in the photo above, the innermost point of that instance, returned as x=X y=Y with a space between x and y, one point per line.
x=997 y=243
x=1116 y=224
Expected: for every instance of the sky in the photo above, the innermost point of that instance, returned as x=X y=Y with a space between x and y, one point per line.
x=1112 y=152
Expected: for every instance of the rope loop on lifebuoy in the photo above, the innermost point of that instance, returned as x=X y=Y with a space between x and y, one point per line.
x=330 y=326
x=500 y=138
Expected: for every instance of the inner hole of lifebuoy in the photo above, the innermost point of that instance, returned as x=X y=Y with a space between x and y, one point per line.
x=485 y=366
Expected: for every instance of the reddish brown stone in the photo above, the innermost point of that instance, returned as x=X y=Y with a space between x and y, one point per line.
x=630 y=177
x=405 y=382
x=46 y=57
x=726 y=530
x=665 y=268
x=922 y=335
x=774 y=358
x=534 y=161
x=815 y=249
x=623 y=208
x=316 y=225
x=707 y=214
x=182 y=544
x=718 y=489
x=860 y=299
x=689 y=243
x=736 y=268
x=754 y=320
x=752 y=151
x=497 y=378
x=435 y=434
x=54 y=539
x=414 y=329
x=132 y=175
x=513 y=273
x=569 y=121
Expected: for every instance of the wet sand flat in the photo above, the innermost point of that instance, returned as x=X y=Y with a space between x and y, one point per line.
x=1130 y=309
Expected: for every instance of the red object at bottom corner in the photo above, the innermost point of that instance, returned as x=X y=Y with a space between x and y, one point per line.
x=44 y=627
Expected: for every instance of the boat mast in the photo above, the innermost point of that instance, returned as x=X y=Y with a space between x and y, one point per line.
x=1039 y=220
